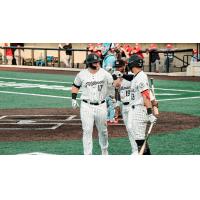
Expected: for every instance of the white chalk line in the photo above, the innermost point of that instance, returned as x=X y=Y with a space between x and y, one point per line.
x=177 y=90
x=176 y=99
x=34 y=153
x=39 y=95
x=34 y=80
x=61 y=97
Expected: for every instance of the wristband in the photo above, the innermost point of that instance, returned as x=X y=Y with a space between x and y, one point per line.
x=149 y=111
x=74 y=95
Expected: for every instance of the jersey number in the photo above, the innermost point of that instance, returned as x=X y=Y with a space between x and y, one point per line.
x=132 y=96
x=127 y=93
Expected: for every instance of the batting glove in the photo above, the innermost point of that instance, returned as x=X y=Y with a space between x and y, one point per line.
x=74 y=104
x=152 y=118
x=118 y=74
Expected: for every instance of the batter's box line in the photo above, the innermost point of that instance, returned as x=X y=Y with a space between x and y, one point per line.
x=38 y=115
x=78 y=124
x=56 y=125
x=2 y=117
x=69 y=117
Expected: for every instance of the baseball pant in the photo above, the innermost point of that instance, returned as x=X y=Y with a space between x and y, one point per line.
x=125 y=111
x=91 y=114
x=137 y=121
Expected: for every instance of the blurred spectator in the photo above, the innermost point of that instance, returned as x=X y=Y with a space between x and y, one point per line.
x=120 y=52
x=128 y=50
x=109 y=57
x=97 y=49
x=9 y=54
x=66 y=56
x=169 y=58
x=138 y=50
x=19 y=55
x=195 y=56
x=154 y=58
x=90 y=48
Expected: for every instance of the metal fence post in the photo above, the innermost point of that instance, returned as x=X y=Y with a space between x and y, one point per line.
x=150 y=55
x=58 y=57
x=45 y=57
x=72 y=59
x=32 y=57
x=4 y=57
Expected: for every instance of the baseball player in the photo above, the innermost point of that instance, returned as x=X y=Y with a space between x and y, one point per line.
x=96 y=84
x=108 y=65
x=125 y=97
x=140 y=104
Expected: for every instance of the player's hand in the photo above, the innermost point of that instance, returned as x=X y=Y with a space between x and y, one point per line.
x=152 y=118
x=118 y=74
x=74 y=104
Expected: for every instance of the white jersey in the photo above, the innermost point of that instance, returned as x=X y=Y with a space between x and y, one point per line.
x=124 y=91
x=138 y=84
x=95 y=87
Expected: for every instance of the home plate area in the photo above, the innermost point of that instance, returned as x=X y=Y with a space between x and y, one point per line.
x=34 y=122
x=39 y=122
x=46 y=124
x=65 y=124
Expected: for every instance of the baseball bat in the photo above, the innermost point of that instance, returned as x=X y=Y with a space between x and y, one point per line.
x=156 y=112
x=145 y=141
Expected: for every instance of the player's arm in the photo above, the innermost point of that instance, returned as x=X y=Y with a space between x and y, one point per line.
x=148 y=105
x=117 y=74
x=147 y=101
x=74 y=90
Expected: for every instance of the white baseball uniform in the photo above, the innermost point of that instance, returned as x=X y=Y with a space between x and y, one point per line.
x=137 y=116
x=95 y=88
x=125 y=97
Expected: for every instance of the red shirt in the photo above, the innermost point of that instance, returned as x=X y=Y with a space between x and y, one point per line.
x=9 y=52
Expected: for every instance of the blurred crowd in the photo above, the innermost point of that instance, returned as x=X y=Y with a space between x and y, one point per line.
x=110 y=50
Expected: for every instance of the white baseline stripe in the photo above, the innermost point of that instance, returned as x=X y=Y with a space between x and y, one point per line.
x=39 y=95
x=176 y=99
x=23 y=79
x=178 y=90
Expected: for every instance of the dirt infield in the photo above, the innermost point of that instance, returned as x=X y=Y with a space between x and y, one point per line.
x=65 y=124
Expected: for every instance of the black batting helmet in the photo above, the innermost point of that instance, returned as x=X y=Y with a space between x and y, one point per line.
x=92 y=58
x=119 y=63
x=135 y=61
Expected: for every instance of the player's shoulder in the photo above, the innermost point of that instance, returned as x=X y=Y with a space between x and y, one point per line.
x=142 y=75
x=82 y=72
x=102 y=70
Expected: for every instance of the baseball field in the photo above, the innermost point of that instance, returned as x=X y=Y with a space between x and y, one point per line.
x=36 y=116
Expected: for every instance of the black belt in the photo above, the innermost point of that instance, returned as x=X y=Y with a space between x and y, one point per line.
x=126 y=103
x=96 y=104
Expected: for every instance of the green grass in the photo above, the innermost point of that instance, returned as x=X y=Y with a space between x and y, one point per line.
x=185 y=142
x=118 y=146
x=177 y=143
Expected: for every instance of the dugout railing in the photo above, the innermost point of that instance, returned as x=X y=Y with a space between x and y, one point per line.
x=173 y=52
x=185 y=59
x=57 y=59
